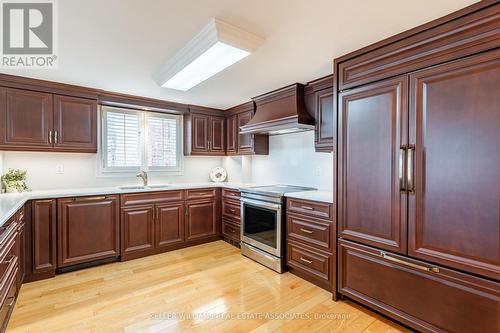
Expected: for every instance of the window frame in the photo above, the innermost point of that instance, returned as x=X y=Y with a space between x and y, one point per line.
x=105 y=171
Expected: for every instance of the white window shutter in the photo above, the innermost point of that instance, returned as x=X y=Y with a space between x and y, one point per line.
x=162 y=137
x=123 y=139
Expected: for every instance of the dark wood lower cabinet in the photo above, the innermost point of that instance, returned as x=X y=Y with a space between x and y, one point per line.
x=88 y=229
x=44 y=236
x=137 y=229
x=231 y=230
x=310 y=263
x=310 y=242
x=169 y=224
x=426 y=297
x=201 y=219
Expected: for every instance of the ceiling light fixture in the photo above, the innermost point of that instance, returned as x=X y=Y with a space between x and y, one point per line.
x=217 y=46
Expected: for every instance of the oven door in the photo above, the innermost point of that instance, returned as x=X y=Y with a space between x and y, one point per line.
x=261 y=225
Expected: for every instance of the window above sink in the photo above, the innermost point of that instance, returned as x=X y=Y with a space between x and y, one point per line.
x=134 y=140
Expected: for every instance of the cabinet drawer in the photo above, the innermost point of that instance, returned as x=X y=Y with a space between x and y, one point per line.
x=426 y=297
x=201 y=193
x=230 y=194
x=231 y=209
x=312 y=231
x=8 y=239
x=8 y=295
x=309 y=261
x=310 y=208
x=231 y=230
x=151 y=197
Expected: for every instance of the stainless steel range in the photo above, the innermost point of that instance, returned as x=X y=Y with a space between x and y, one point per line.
x=263 y=223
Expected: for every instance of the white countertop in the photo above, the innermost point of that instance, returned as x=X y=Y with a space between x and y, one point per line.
x=11 y=202
x=322 y=196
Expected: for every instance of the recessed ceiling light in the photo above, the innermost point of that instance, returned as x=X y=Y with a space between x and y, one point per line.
x=217 y=46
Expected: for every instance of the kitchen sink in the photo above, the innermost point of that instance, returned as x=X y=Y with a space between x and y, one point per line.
x=158 y=186
x=132 y=187
x=140 y=187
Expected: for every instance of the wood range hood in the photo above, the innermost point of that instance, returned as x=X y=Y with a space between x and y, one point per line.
x=279 y=112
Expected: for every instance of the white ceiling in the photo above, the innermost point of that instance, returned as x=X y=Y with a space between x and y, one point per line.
x=117 y=45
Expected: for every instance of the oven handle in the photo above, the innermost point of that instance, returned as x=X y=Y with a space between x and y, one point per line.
x=261 y=203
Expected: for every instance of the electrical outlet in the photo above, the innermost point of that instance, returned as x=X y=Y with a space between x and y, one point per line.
x=59 y=169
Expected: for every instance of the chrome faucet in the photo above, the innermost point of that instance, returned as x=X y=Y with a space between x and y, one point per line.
x=144 y=176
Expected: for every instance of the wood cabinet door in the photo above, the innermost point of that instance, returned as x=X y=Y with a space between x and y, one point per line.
x=88 y=229
x=425 y=297
x=373 y=126
x=75 y=124
x=200 y=133
x=454 y=215
x=217 y=135
x=26 y=118
x=201 y=219
x=232 y=135
x=169 y=224
x=245 y=141
x=325 y=124
x=44 y=235
x=137 y=229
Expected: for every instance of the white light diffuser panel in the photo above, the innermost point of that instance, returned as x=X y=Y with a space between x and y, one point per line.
x=217 y=46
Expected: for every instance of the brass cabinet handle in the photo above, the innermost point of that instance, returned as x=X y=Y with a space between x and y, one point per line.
x=402 y=156
x=410 y=180
x=7 y=231
x=55 y=137
x=306 y=260
x=89 y=198
x=11 y=300
x=50 y=137
x=10 y=258
x=409 y=264
x=306 y=231
x=307 y=207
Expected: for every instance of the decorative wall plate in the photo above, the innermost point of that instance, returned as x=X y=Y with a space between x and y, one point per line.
x=218 y=174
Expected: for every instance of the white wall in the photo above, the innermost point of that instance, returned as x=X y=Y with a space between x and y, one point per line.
x=80 y=170
x=291 y=160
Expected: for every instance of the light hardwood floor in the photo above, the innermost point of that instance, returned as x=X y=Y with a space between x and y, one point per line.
x=201 y=283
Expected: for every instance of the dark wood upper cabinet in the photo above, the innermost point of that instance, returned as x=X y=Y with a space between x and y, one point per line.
x=318 y=96
x=75 y=123
x=217 y=136
x=324 y=121
x=372 y=122
x=169 y=224
x=44 y=236
x=232 y=135
x=201 y=219
x=26 y=118
x=200 y=133
x=42 y=121
x=244 y=144
x=88 y=229
x=245 y=141
x=137 y=229
x=455 y=126
x=204 y=132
